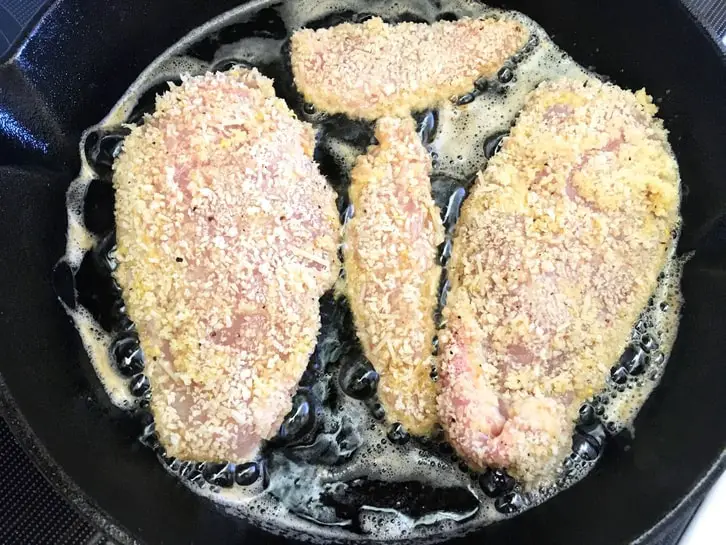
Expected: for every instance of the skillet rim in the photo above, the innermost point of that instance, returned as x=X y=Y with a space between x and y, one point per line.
x=103 y=521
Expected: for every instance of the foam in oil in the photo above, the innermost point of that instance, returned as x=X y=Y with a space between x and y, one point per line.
x=348 y=478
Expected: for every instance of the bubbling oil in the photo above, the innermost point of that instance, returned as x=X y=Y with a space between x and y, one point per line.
x=334 y=472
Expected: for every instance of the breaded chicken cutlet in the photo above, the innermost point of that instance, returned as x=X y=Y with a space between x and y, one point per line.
x=374 y=69
x=391 y=270
x=227 y=237
x=556 y=253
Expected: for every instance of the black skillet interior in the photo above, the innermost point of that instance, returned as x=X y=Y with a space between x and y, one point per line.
x=82 y=57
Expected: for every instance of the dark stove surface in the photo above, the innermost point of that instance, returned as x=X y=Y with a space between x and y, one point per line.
x=31 y=511
x=15 y=17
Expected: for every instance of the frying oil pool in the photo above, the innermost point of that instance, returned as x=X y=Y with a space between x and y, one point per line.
x=306 y=485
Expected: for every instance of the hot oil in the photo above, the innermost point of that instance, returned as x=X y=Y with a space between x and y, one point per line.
x=335 y=472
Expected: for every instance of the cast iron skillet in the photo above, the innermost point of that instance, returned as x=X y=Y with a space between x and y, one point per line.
x=79 y=60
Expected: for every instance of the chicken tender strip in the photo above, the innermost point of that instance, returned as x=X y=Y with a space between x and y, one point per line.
x=556 y=253
x=391 y=270
x=374 y=69
x=227 y=237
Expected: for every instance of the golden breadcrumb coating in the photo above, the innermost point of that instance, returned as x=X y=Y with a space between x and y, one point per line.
x=374 y=69
x=227 y=236
x=556 y=253
x=390 y=262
